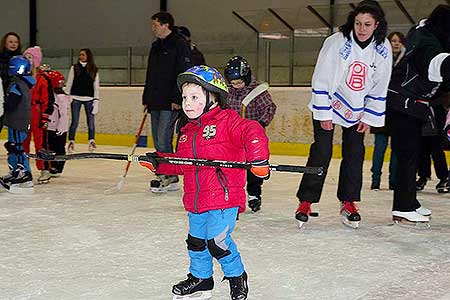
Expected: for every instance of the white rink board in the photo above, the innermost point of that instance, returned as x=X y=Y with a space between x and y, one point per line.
x=70 y=241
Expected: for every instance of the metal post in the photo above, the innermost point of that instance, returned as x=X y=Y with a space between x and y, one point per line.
x=267 y=63
x=129 y=56
x=291 y=59
x=33 y=22
x=257 y=56
x=71 y=57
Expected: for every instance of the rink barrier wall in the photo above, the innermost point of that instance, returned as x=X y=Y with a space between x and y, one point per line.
x=290 y=132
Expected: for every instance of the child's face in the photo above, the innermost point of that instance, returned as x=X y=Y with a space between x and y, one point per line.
x=12 y=43
x=194 y=100
x=237 y=83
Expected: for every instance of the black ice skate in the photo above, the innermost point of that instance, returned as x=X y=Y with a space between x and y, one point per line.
x=193 y=288
x=302 y=213
x=20 y=183
x=164 y=184
x=410 y=219
x=443 y=186
x=45 y=177
x=350 y=215
x=238 y=287
x=254 y=203
x=421 y=183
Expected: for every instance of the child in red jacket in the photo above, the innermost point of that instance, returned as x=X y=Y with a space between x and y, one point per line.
x=213 y=196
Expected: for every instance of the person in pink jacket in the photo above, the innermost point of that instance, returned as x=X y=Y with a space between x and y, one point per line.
x=213 y=196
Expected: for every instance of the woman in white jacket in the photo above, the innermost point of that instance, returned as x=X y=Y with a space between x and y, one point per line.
x=349 y=88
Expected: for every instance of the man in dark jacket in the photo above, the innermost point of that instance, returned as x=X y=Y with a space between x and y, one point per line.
x=169 y=56
x=414 y=81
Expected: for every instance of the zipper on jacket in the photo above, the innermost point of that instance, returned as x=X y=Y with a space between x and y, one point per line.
x=223 y=181
x=197 y=168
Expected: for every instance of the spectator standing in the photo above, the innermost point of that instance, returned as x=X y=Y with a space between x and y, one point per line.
x=169 y=56
x=83 y=84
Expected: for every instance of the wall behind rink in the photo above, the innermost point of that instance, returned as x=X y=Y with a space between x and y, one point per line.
x=290 y=131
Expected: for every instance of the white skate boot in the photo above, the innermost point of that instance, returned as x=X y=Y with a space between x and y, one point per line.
x=164 y=183
x=424 y=211
x=410 y=219
x=45 y=177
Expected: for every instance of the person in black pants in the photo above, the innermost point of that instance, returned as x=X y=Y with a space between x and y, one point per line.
x=433 y=145
x=415 y=80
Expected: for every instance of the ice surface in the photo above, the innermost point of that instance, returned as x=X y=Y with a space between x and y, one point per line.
x=70 y=241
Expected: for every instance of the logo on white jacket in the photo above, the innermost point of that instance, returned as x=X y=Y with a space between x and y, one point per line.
x=209 y=132
x=356 y=76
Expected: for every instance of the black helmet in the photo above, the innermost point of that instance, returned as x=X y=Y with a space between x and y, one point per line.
x=238 y=68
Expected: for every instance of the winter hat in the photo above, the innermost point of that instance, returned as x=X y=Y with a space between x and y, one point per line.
x=36 y=53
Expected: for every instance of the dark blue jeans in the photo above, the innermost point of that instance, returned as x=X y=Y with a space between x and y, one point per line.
x=90 y=118
x=381 y=143
x=163 y=124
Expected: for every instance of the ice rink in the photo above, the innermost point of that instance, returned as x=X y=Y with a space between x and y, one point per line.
x=71 y=241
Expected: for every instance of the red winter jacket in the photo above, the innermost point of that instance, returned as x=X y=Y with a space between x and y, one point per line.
x=218 y=135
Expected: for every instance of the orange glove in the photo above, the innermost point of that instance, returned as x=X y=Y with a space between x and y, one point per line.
x=260 y=168
x=150 y=161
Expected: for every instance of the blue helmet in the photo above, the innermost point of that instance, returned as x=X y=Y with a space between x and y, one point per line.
x=238 y=68
x=19 y=65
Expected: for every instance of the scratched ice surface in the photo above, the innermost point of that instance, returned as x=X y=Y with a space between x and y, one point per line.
x=70 y=241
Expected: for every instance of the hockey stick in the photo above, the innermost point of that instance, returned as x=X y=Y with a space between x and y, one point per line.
x=176 y=161
x=252 y=95
x=121 y=182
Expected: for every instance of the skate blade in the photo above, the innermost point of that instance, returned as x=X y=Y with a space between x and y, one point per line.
x=170 y=188
x=43 y=181
x=402 y=222
x=21 y=190
x=201 y=295
x=350 y=224
x=301 y=225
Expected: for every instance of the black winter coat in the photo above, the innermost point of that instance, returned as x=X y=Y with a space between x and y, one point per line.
x=168 y=58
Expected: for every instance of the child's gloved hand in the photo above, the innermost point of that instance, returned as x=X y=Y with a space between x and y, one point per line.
x=260 y=168
x=150 y=161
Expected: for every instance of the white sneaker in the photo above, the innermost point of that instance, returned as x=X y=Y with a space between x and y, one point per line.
x=71 y=147
x=91 y=145
x=424 y=211
x=410 y=216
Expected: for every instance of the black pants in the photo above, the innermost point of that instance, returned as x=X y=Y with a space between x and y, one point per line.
x=57 y=143
x=350 y=173
x=432 y=145
x=254 y=184
x=406 y=134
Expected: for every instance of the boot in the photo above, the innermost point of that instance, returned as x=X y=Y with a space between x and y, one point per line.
x=410 y=219
x=164 y=183
x=238 y=287
x=420 y=183
x=254 y=202
x=442 y=186
x=22 y=183
x=302 y=213
x=350 y=215
x=45 y=177
x=193 y=288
